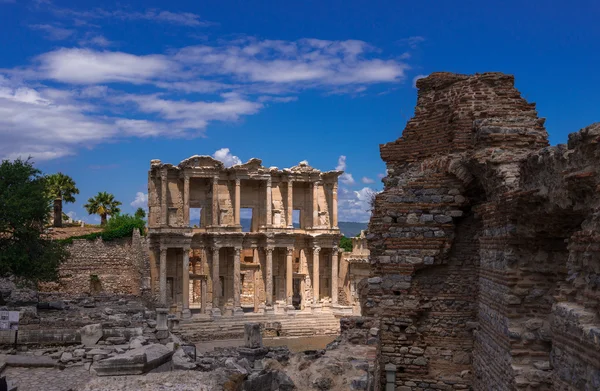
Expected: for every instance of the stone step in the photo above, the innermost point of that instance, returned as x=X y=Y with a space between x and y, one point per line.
x=297 y=325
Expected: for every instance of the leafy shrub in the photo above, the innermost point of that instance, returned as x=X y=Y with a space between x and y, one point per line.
x=346 y=243
x=119 y=226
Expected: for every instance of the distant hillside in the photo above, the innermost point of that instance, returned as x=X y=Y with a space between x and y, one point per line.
x=350 y=229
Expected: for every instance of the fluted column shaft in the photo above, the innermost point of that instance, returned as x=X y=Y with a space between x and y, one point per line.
x=334 y=275
x=186 y=282
x=289 y=289
x=216 y=281
x=215 y=202
x=162 y=283
x=236 y=277
x=316 y=274
x=237 y=201
x=269 y=282
x=290 y=204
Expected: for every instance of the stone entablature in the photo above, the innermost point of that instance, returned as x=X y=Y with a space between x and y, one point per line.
x=220 y=193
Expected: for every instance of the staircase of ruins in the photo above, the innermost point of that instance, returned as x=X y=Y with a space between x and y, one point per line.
x=204 y=328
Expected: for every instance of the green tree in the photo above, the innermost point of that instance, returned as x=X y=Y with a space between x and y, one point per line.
x=346 y=243
x=61 y=188
x=26 y=251
x=140 y=213
x=103 y=204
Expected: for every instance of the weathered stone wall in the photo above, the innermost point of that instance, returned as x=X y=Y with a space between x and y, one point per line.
x=121 y=267
x=484 y=245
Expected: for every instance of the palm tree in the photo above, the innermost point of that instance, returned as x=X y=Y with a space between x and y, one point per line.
x=61 y=188
x=140 y=213
x=103 y=204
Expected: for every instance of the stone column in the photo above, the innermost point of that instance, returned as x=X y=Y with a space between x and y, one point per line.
x=163 y=277
x=289 y=276
x=269 y=282
x=237 y=308
x=255 y=278
x=315 y=204
x=316 y=274
x=334 y=203
x=215 y=202
x=185 y=312
x=269 y=204
x=186 y=199
x=334 y=276
x=216 y=281
x=290 y=204
x=163 y=196
x=237 y=201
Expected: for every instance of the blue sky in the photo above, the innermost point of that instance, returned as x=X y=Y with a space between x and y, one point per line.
x=98 y=89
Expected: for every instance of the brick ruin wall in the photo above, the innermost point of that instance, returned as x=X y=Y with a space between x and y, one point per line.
x=485 y=245
x=120 y=267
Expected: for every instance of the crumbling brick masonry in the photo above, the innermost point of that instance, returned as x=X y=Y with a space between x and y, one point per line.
x=485 y=245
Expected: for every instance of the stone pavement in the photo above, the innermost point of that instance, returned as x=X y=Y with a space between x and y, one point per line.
x=48 y=379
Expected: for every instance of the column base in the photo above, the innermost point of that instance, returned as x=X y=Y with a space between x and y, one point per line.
x=186 y=313
x=238 y=311
x=216 y=312
x=161 y=319
x=317 y=308
x=269 y=310
x=261 y=308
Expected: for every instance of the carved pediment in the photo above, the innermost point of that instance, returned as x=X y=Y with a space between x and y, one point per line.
x=253 y=164
x=304 y=167
x=204 y=161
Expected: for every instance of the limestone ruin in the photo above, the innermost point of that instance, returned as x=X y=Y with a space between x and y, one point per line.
x=274 y=268
x=485 y=246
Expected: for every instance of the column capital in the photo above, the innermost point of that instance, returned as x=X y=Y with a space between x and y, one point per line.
x=269 y=181
x=215 y=179
x=163 y=172
x=290 y=250
x=316 y=249
x=186 y=248
x=163 y=249
x=237 y=181
x=215 y=247
x=238 y=251
x=335 y=249
x=269 y=249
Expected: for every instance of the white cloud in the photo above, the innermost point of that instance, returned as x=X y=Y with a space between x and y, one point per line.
x=367 y=180
x=414 y=80
x=413 y=41
x=298 y=64
x=346 y=178
x=355 y=205
x=85 y=66
x=72 y=215
x=140 y=201
x=177 y=18
x=226 y=157
x=81 y=110
x=53 y=33
x=95 y=40
x=341 y=166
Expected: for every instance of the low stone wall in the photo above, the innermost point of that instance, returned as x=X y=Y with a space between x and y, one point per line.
x=115 y=267
x=359 y=330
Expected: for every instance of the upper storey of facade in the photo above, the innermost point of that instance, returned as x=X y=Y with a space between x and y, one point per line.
x=201 y=195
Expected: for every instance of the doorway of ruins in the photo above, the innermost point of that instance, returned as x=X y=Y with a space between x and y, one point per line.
x=297 y=292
